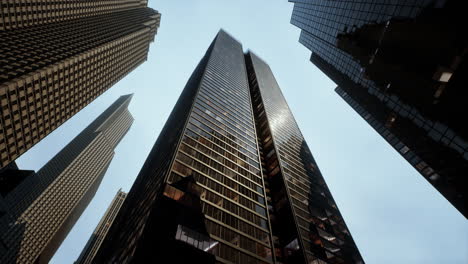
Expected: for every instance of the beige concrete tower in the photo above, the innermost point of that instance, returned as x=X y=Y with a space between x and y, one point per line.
x=39 y=211
x=57 y=57
x=19 y=13
x=94 y=242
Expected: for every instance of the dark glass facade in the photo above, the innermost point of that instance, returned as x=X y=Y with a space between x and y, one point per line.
x=400 y=65
x=125 y=241
x=38 y=211
x=58 y=56
x=319 y=234
x=205 y=187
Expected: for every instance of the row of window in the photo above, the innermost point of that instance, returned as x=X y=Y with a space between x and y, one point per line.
x=236 y=157
x=234 y=222
x=230 y=175
x=196 y=133
x=19 y=14
x=211 y=89
x=214 y=98
x=233 y=207
x=220 y=121
x=215 y=142
x=250 y=181
x=223 y=170
x=210 y=100
x=184 y=170
x=225 y=198
x=206 y=122
x=241 y=241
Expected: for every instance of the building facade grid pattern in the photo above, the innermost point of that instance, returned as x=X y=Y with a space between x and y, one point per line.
x=50 y=71
x=18 y=14
x=43 y=208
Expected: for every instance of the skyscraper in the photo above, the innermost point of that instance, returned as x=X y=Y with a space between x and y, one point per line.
x=230 y=178
x=402 y=66
x=94 y=242
x=55 y=58
x=20 y=14
x=39 y=211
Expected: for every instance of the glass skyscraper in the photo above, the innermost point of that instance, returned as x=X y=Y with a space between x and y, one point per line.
x=37 y=210
x=402 y=66
x=230 y=178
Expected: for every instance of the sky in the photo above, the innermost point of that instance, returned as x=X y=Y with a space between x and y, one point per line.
x=393 y=213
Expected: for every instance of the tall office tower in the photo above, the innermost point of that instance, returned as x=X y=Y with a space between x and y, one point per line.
x=94 y=242
x=18 y=14
x=402 y=66
x=230 y=178
x=56 y=58
x=39 y=211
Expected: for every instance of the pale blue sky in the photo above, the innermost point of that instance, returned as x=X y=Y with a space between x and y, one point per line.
x=394 y=215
